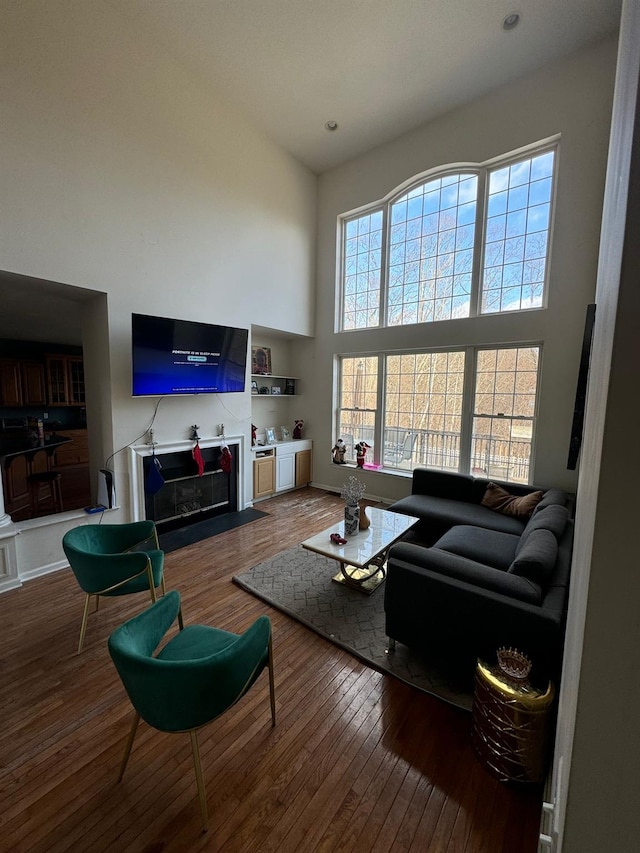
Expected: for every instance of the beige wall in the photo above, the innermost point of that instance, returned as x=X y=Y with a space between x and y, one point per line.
x=122 y=174
x=572 y=98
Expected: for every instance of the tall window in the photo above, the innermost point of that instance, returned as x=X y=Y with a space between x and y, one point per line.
x=457 y=245
x=506 y=381
x=470 y=410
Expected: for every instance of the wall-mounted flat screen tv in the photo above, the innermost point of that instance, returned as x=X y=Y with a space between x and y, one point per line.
x=185 y=357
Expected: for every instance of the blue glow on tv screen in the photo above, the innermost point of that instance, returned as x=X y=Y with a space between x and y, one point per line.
x=185 y=357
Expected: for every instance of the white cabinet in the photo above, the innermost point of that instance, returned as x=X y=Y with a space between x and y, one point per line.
x=285 y=467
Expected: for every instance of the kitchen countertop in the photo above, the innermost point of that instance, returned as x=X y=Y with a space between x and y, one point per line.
x=23 y=445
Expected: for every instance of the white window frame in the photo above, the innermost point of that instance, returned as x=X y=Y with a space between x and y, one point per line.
x=481 y=170
x=468 y=395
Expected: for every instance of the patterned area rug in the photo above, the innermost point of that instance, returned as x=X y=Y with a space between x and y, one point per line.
x=298 y=582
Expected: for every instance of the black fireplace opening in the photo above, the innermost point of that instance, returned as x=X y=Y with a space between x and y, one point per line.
x=186 y=497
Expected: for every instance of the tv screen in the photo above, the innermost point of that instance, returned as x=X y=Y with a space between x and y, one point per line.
x=185 y=357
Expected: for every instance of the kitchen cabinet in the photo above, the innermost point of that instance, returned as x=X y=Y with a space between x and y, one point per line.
x=74 y=453
x=22 y=383
x=65 y=380
x=10 y=385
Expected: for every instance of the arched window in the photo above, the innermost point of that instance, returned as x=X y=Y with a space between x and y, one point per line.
x=459 y=244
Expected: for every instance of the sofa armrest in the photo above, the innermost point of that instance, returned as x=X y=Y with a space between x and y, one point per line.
x=457 y=568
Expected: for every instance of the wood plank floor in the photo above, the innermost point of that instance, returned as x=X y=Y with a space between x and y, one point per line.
x=358 y=760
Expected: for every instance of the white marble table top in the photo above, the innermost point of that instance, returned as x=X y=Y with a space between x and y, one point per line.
x=361 y=548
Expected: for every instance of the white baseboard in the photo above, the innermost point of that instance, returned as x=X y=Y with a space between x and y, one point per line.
x=38 y=571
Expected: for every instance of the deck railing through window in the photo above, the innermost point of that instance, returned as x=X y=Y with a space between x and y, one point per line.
x=405 y=449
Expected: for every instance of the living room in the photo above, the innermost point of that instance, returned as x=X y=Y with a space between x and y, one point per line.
x=129 y=179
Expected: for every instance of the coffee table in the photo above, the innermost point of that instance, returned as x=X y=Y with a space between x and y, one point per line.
x=363 y=557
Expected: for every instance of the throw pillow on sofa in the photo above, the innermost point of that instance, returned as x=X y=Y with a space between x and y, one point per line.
x=518 y=506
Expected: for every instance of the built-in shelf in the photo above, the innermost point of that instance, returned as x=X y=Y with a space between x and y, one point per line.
x=271 y=381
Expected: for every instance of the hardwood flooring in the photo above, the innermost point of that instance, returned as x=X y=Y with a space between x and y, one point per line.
x=358 y=760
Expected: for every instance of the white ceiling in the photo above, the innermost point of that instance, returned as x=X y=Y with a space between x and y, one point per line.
x=377 y=67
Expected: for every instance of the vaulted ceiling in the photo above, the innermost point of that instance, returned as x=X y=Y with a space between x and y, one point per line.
x=378 y=68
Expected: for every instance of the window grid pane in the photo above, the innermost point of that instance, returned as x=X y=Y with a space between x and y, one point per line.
x=362 y=253
x=431 y=242
x=517 y=234
x=358 y=402
x=504 y=409
x=423 y=410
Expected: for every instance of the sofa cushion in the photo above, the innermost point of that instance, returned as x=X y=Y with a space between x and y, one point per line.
x=442 y=484
x=551 y=497
x=519 y=506
x=492 y=547
x=553 y=518
x=445 y=513
x=537 y=557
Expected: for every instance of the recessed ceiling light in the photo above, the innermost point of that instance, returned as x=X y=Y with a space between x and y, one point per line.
x=511 y=21
x=331 y=125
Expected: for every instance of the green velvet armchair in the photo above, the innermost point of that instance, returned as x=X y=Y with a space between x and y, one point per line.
x=196 y=676
x=111 y=559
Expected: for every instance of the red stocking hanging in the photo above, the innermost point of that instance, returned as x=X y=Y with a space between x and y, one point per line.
x=197 y=455
x=225 y=459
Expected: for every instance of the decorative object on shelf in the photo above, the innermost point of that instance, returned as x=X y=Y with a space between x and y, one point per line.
x=263 y=389
x=254 y=386
x=365 y=521
x=261 y=361
x=284 y=432
x=352 y=493
x=270 y=435
x=290 y=386
x=338 y=452
x=276 y=389
x=361 y=451
x=254 y=430
x=297 y=428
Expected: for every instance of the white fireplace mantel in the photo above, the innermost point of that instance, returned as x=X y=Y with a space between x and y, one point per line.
x=137 y=453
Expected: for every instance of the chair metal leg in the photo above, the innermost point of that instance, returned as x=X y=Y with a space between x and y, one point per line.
x=129 y=744
x=150 y=577
x=97 y=607
x=164 y=589
x=272 y=686
x=83 y=627
x=180 y=620
x=199 y=778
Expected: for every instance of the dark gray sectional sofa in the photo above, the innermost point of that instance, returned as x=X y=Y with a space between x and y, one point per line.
x=470 y=579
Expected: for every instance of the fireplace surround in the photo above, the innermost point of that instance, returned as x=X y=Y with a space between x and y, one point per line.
x=186 y=498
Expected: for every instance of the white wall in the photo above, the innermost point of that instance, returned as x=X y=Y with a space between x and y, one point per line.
x=571 y=98
x=122 y=174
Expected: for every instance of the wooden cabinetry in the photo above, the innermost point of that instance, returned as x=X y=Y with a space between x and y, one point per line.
x=264 y=475
x=303 y=467
x=22 y=383
x=10 y=386
x=65 y=380
x=74 y=453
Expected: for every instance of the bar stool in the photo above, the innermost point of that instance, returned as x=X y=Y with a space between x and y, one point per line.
x=44 y=485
